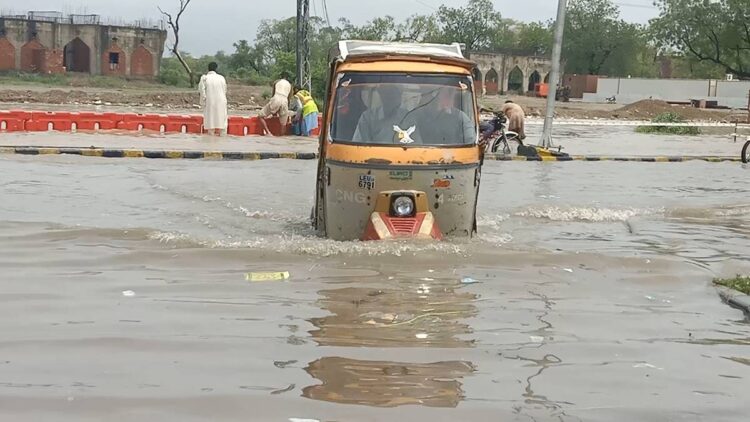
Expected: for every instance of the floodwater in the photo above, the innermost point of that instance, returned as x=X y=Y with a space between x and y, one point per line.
x=124 y=298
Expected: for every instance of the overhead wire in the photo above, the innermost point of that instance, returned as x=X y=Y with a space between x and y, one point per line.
x=325 y=10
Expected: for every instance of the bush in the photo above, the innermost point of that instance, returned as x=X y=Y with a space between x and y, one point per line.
x=739 y=283
x=669 y=117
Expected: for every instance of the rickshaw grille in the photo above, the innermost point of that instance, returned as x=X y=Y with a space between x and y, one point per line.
x=404 y=225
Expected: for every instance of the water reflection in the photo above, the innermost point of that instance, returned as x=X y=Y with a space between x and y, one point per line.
x=387 y=384
x=424 y=313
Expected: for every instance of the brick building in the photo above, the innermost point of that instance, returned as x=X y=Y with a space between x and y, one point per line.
x=48 y=42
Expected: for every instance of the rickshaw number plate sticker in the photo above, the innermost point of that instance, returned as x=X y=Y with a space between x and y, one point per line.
x=366 y=181
x=400 y=175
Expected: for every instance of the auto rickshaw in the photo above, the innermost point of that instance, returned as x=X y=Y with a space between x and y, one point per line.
x=399 y=151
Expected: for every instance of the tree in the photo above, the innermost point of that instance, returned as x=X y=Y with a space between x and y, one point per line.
x=174 y=24
x=473 y=25
x=595 y=36
x=534 y=38
x=418 y=28
x=713 y=32
x=246 y=56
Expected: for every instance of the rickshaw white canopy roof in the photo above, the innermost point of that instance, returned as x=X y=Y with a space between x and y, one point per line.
x=367 y=48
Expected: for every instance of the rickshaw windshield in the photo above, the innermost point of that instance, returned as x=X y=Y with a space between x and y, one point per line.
x=403 y=109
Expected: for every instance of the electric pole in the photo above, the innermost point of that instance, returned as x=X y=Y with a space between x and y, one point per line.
x=304 y=79
x=554 y=76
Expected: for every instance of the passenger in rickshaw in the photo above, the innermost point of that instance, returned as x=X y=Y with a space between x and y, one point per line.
x=387 y=123
x=440 y=122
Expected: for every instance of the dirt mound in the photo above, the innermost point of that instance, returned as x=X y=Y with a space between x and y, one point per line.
x=648 y=109
x=240 y=97
x=651 y=107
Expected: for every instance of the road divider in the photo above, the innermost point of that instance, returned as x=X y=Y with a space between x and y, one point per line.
x=43 y=121
x=253 y=156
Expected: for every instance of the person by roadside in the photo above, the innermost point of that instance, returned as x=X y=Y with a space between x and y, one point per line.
x=516 y=116
x=213 y=92
x=278 y=105
x=306 y=118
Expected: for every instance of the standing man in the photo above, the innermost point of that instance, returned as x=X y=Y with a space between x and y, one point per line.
x=213 y=90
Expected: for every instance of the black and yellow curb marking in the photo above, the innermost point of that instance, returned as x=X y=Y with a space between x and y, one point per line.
x=163 y=154
x=253 y=156
x=664 y=159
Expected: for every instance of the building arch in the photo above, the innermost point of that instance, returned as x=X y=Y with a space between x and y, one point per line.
x=515 y=80
x=7 y=54
x=114 y=60
x=534 y=79
x=77 y=56
x=142 y=62
x=491 y=82
x=32 y=56
x=478 y=82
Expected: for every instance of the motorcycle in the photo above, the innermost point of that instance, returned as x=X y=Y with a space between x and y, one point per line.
x=746 y=152
x=495 y=133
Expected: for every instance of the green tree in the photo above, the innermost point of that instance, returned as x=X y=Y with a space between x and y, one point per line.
x=474 y=25
x=534 y=38
x=246 y=56
x=595 y=36
x=713 y=32
x=418 y=28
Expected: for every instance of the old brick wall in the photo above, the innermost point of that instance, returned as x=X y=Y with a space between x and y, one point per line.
x=32 y=56
x=53 y=62
x=7 y=55
x=142 y=63
x=120 y=68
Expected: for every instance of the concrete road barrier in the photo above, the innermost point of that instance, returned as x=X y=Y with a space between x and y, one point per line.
x=253 y=156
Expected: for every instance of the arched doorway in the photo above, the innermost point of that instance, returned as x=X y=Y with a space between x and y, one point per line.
x=77 y=56
x=534 y=79
x=515 y=80
x=546 y=78
x=490 y=82
x=477 y=74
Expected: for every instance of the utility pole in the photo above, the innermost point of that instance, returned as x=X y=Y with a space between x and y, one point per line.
x=304 y=79
x=554 y=76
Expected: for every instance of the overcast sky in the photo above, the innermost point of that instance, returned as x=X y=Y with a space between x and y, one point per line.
x=211 y=25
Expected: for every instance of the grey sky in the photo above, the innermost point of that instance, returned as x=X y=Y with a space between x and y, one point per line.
x=211 y=25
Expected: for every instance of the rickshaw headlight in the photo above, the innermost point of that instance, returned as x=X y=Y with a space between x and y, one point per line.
x=403 y=206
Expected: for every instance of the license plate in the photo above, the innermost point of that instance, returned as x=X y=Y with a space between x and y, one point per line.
x=366 y=181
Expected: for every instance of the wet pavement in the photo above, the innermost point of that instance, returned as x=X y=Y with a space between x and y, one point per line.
x=620 y=141
x=586 y=296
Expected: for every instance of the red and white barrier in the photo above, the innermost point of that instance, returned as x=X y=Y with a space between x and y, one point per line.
x=43 y=121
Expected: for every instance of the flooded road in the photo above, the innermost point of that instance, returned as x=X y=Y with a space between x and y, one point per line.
x=586 y=296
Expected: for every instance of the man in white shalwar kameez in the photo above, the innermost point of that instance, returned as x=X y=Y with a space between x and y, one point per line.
x=213 y=90
x=278 y=105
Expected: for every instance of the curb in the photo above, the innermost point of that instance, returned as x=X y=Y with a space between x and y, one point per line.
x=159 y=154
x=734 y=299
x=656 y=159
x=254 y=156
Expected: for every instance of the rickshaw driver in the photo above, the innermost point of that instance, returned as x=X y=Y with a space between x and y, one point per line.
x=378 y=125
x=442 y=123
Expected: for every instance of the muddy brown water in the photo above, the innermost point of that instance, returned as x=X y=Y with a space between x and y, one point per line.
x=593 y=298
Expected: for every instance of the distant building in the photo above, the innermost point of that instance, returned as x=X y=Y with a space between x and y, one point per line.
x=48 y=42
x=503 y=72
